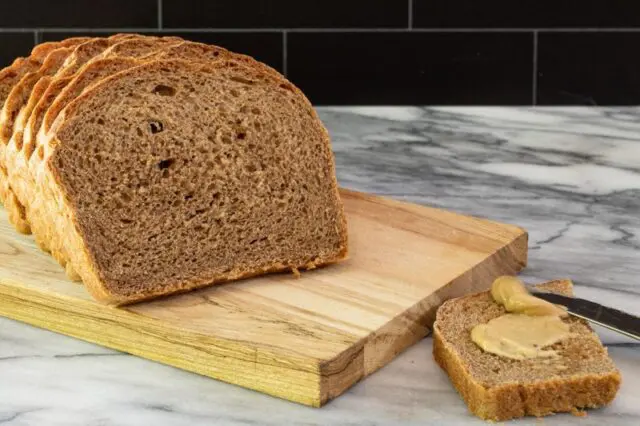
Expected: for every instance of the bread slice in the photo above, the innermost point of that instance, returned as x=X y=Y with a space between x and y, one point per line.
x=497 y=388
x=92 y=73
x=15 y=99
x=10 y=77
x=45 y=88
x=198 y=174
x=12 y=74
x=96 y=69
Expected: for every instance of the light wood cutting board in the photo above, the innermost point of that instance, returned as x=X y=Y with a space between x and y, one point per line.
x=305 y=340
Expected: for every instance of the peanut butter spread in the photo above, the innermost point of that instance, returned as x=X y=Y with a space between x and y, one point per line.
x=531 y=324
x=513 y=295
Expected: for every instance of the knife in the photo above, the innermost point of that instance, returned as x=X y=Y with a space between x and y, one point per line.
x=610 y=318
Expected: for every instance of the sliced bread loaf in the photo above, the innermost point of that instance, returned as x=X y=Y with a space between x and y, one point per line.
x=198 y=174
x=498 y=388
x=22 y=178
x=18 y=95
x=94 y=71
x=45 y=89
x=9 y=78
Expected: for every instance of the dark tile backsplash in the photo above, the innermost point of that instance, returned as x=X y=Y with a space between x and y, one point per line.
x=13 y=45
x=412 y=68
x=285 y=14
x=591 y=69
x=467 y=52
x=526 y=14
x=79 y=13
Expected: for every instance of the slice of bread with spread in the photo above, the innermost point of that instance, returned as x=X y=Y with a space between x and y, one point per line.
x=574 y=373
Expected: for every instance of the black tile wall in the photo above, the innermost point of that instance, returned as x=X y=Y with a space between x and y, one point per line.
x=489 y=52
x=410 y=68
x=13 y=45
x=264 y=46
x=80 y=13
x=286 y=14
x=525 y=13
x=589 y=69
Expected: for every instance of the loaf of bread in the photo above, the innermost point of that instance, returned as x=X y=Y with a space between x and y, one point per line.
x=31 y=76
x=498 y=388
x=173 y=167
x=117 y=57
x=58 y=66
x=85 y=58
x=10 y=77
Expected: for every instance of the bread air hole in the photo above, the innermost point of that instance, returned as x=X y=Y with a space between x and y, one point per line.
x=165 y=164
x=163 y=90
x=156 y=127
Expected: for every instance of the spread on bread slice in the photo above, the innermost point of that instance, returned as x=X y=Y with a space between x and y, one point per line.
x=556 y=365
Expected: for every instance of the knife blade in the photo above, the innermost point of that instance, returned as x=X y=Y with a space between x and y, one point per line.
x=596 y=313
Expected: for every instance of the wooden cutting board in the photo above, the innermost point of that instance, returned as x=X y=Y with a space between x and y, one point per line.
x=305 y=340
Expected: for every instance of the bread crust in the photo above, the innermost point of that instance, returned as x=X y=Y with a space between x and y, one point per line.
x=10 y=77
x=511 y=400
x=16 y=98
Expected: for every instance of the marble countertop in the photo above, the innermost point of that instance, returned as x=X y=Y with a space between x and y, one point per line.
x=570 y=176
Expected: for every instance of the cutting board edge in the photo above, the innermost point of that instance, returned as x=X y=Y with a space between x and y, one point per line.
x=419 y=318
x=131 y=327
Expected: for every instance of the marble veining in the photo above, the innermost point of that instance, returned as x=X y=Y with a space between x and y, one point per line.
x=570 y=176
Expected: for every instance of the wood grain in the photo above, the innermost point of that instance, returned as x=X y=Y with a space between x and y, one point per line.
x=306 y=340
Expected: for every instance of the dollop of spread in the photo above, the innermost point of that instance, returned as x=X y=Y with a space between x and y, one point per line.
x=513 y=295
x=531 y=324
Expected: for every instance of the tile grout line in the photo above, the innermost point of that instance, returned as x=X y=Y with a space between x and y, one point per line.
x=160 y=23
x=410 y=15
x=285 y=55
x=36 y=38
x=324 y=30
x=534 y=85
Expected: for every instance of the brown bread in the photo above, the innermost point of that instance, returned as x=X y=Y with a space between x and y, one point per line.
x=22 y=178
x=498 y=388
x=49 y=78
x=198 y=174
x=17 y=96
x=11 y=77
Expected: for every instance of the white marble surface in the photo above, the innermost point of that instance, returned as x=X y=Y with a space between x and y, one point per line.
x=570 y=176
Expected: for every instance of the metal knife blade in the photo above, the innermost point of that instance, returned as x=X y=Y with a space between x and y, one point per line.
x=610 y=318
